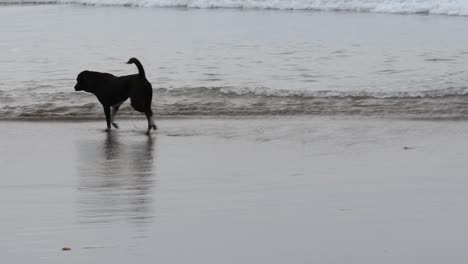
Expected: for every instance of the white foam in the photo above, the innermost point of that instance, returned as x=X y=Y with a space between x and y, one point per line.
x=441 y=7
x=447 y=7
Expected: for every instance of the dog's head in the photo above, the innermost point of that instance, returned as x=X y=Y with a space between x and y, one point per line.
x=82 y=82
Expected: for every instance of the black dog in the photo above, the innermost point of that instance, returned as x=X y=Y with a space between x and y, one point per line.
x=112 y=91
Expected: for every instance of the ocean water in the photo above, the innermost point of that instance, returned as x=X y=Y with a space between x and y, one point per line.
x=238 y=58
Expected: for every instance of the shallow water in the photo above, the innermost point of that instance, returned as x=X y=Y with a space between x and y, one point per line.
x=235 y=62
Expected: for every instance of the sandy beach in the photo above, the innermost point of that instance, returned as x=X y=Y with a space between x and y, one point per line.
x=252 y=190
x=290 y=132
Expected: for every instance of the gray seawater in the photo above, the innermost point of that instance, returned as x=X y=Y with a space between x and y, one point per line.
x=238 y=62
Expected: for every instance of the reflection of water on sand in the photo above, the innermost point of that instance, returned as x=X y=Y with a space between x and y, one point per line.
x=116 y=179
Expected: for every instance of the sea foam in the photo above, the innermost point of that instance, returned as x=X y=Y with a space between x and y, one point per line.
x=443 y=7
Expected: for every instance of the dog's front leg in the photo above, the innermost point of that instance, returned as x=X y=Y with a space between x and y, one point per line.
x=107 y=112
x=113 y=113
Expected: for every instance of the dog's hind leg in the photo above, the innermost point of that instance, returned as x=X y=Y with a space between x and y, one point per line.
x=149 y=116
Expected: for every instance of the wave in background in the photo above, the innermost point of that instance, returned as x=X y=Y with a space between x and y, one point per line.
x=442 y=7
x=446 y=104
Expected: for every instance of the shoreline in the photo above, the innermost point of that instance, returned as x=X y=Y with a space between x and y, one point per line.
x=239 y=117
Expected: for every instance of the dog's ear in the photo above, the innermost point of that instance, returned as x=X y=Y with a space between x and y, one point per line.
x=81 y=74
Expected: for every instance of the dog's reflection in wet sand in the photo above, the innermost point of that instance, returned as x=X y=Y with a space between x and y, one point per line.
x=116 y=178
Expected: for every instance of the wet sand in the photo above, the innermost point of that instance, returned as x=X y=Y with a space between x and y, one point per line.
x=271 y=190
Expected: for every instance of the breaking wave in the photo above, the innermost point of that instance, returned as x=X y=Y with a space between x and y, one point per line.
x=442 y=7
x=446 y=104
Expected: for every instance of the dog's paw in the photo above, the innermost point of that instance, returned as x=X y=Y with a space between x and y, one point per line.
x=115 y=125
x=153 y=126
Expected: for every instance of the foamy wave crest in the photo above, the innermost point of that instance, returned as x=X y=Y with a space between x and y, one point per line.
x=445 y=7
x=27 y=2
x=227 y=91
x=445 y=104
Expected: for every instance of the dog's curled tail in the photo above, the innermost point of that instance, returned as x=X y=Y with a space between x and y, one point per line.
x=141 y=71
